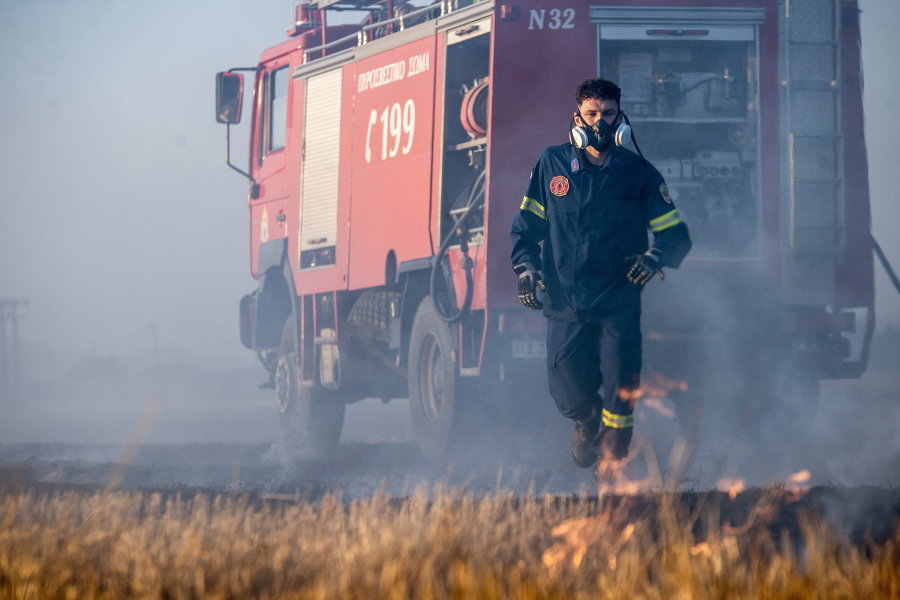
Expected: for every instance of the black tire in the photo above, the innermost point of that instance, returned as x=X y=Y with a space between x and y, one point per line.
x=373 y=310
x=433 y=381
x=311 y=418
x=368 y=362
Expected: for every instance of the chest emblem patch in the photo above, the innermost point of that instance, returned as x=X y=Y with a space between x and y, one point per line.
x=559 y=186
x=664 y=192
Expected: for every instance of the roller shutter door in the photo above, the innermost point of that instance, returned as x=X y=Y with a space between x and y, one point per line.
x=321 y=157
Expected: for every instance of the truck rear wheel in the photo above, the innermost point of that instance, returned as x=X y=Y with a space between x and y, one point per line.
x=311 y=417
x=433 y=381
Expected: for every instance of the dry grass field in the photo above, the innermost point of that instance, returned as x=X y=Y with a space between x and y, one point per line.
x=433 y=544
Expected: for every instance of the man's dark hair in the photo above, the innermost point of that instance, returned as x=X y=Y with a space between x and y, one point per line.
x=598 y=89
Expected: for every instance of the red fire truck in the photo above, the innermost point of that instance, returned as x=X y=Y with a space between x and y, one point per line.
x=389 y=156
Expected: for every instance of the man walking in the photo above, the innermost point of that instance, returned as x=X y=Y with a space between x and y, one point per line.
x=590 y=203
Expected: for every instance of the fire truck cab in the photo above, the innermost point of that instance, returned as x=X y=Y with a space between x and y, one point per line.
x=388 y=158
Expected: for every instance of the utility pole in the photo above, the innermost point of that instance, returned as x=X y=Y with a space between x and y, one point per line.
x=9 y=348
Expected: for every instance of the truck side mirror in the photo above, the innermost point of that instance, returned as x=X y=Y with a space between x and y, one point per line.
x=229 y=94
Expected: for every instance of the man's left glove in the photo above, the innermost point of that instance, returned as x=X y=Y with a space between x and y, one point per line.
x=529 y=282
x=644 y=268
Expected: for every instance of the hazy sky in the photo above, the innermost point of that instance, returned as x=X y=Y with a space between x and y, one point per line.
x=117 y=209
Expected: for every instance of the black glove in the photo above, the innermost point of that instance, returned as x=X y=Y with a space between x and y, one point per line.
x=529 y=282
x=644 y=268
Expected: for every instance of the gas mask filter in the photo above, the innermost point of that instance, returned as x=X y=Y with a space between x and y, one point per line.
x=600 y=135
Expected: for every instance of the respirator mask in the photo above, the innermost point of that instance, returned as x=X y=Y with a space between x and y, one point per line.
x=601 y=135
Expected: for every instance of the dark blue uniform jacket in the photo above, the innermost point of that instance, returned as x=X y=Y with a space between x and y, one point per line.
x=590 y=219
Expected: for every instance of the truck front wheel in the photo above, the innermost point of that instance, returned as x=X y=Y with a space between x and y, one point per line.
x=311 y=417
x=433 y=381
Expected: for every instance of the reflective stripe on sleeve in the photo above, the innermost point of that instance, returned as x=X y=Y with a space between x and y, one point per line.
x=669 y=219
x=617 y=421
x=533 y=206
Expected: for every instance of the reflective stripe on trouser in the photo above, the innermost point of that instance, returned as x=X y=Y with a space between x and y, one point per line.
x=617 y=421
x=595 y=367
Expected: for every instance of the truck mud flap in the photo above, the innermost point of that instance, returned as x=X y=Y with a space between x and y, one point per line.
x=247 y=317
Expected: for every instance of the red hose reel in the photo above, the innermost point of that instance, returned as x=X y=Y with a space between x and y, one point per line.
x=473 y=112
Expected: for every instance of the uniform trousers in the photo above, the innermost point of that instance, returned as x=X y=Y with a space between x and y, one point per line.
x=595 y=368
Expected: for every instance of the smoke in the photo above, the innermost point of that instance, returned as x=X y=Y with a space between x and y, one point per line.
x=881 y=103
x=118 y=212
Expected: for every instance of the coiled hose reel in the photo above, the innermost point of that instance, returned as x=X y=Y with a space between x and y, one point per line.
x=459 y=230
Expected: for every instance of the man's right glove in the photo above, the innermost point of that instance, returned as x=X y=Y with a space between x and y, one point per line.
x=529 y=282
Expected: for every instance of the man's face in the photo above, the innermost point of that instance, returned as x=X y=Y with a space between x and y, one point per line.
x=593 y=109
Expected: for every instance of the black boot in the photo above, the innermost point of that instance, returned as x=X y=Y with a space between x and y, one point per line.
x=583 y=442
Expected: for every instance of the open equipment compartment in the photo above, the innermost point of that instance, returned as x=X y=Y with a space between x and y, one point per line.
x=689 y=87
x=466 y=94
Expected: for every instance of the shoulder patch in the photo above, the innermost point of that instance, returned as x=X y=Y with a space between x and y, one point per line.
x=664 y=192
x=559 y=186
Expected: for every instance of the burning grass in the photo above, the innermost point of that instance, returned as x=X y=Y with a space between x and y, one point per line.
x=433 y=544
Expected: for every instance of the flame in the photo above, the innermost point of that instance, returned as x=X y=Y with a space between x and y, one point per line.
x=732 y=486
x=769 y=504
x=728 y=544
x=796 y=487
x=578 y=535
x=659 y=407
x=613 y=478
x=628 y=488
x=800 y=476
x=654 y=386
x=763 y=513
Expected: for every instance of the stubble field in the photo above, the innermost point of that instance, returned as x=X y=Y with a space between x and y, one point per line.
x=437 y=543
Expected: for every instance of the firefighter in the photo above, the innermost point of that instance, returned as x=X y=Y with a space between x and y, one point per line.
x=590 y=202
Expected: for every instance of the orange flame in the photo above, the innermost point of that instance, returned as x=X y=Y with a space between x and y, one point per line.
x=577 y=536
x=728 y=545
x=654 y=386
x=702 y=549
x=796 y=487
x=659 y=407
x=732 y=486
x=800 y=477
x=613 y=479
x=768 y=506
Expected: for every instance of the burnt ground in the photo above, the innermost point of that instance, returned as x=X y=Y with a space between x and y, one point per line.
x=213 y=424
x=218 y=433
x=866 y=514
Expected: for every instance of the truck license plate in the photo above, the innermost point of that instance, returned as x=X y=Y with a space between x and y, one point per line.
x=529 y=349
